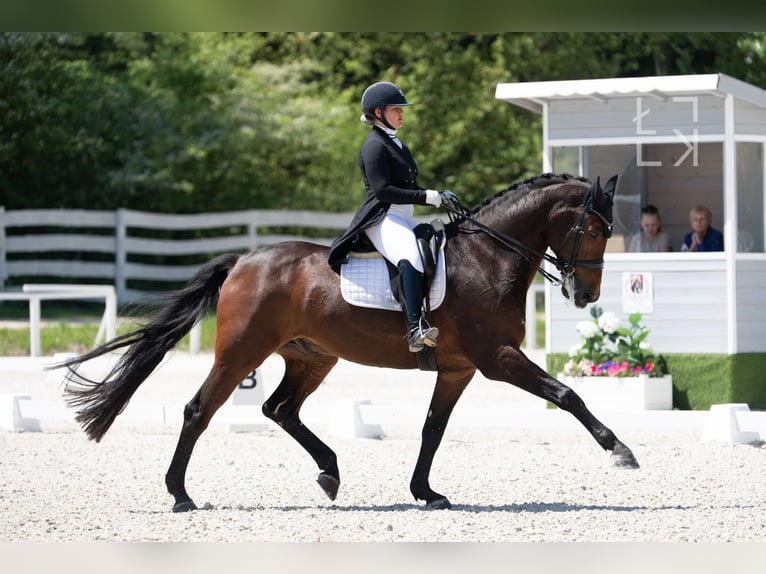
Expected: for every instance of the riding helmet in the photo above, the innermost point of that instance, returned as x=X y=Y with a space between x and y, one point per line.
x=381 y=94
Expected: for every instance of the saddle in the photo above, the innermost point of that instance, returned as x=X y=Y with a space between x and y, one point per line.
x=360 y=274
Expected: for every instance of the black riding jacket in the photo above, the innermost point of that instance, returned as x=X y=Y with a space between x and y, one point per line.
x=390 y=177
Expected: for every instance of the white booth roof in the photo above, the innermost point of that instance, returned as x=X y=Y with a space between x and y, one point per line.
x=532 y=95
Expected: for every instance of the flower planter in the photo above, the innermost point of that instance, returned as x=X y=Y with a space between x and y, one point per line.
x=623 y=393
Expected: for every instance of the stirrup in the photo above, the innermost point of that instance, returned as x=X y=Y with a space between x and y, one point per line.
x=430 y=336
x=418 y=337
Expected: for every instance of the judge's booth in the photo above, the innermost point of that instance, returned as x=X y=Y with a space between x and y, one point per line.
x=675 y=142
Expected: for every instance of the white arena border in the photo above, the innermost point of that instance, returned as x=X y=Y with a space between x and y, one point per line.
x=30 y=400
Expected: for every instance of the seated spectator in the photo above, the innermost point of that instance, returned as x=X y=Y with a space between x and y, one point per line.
x=650 y=238
x=702 y=237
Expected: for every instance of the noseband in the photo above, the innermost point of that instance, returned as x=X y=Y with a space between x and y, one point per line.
x=566 y=268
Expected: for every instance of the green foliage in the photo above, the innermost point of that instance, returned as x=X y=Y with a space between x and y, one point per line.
x=207 y=336
x=747 y=380
x=57 y=338
x=700 y=381
x=66 y=337
x=194 y=122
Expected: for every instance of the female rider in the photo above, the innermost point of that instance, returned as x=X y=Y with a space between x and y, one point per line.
x=389 y=173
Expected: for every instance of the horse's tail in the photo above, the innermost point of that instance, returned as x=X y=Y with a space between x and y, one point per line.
x=99 y=402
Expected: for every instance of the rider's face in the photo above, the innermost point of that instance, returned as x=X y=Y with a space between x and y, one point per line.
x=393 y=115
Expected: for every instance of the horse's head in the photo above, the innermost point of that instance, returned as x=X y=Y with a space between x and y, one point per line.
x=583 y=232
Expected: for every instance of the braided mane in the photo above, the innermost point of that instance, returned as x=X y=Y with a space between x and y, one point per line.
x=533 y=183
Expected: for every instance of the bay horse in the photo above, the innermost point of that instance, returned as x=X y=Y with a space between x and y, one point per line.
x=285 y=299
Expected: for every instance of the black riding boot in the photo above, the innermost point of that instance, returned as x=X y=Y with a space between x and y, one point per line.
x=419 y=332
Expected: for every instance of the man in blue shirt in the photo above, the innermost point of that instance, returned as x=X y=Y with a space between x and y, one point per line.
x=702 y=237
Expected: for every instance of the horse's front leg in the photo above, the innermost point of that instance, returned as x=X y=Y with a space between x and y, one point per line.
x=513 y=366
x=449 y=387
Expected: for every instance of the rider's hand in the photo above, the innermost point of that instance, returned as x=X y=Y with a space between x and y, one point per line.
x=433 y=197
x=448 y=198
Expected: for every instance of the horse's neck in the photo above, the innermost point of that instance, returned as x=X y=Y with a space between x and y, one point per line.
x=524 y=218
x=504 y=271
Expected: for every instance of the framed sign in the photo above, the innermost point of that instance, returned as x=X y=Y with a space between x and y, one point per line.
x=637 y=293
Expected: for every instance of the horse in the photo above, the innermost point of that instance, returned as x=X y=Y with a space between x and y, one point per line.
x=285 y=298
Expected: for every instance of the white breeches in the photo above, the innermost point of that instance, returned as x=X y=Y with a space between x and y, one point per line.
x=393 y=237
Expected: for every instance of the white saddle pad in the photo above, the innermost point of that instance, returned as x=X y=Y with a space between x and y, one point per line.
x=364 y=282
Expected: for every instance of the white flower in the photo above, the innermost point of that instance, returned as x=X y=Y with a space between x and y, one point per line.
x=587 y=329
x=645 y=346
x=574 y=350
x=585 y=366
x=609 y=322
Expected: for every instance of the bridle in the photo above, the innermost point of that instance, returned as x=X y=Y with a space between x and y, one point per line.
x=566 y=268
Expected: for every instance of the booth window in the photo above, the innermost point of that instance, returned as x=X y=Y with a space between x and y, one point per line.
x=667 y=176
x=750 y=191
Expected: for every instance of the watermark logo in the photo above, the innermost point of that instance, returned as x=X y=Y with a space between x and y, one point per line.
x=691 y=146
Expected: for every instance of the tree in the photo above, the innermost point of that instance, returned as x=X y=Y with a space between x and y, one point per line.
x=192 y=122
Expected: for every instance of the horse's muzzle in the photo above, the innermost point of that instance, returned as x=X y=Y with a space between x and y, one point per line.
x=583 y=297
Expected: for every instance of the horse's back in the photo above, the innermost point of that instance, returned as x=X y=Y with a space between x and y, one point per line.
x=285 y=255
x=292 y=269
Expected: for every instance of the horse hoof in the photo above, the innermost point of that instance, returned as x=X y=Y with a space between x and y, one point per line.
x=439 y=504
x=625 y=462
x=185 y=506
x=622 y=457
x=329 y=484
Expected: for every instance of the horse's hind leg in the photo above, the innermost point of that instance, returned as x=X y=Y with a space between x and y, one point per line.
x=218 y=385
x=304 y=371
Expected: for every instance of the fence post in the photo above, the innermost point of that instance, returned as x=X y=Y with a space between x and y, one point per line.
x=108 y=327
x=34 y=326
x=120 y=256
x=195 y=338
x=252 y=230
x=531 y=315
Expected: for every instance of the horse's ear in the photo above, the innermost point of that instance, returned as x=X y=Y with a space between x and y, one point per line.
x=603 y=198
x=593 y=192
x=611 y=186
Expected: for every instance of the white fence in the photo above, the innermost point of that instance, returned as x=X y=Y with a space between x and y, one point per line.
x=92 y=246
x=106 y=247
x=36 y=293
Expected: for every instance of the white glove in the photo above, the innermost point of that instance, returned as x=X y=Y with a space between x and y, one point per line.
x=433 y=197
x=449 y=199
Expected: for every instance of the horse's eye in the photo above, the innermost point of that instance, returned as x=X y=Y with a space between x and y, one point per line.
x=592 y=235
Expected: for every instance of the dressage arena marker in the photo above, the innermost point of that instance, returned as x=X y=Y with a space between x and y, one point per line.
x=730 y=423
x=10 y=414
x=249 y=393
x=44 y=410
x=346 y=421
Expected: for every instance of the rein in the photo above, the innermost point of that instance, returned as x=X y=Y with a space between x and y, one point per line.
x=566 y=268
